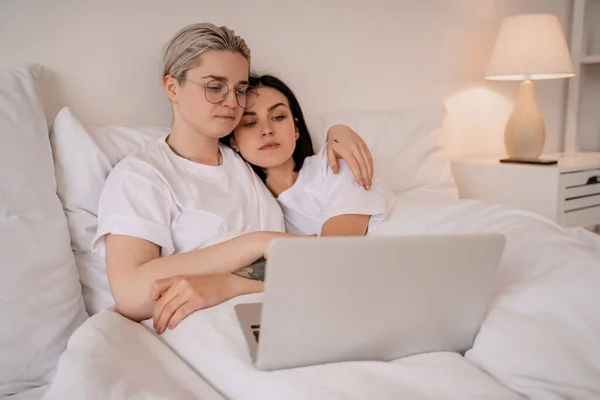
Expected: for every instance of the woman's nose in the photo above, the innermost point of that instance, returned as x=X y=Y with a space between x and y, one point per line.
x=267 y=131
x=230 y=100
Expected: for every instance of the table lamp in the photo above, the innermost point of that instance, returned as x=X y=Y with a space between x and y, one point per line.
x=529 y=47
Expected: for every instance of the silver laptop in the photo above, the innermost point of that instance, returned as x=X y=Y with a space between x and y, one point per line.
x=370 y=298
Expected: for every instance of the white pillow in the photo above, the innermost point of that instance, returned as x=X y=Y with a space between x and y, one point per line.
x=40 y=295
x=405 y=147
x=83 y=158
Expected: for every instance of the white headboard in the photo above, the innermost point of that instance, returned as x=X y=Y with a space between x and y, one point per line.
x=103 y=57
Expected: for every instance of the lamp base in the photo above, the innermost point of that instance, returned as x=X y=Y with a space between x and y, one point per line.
x=525 y=133
x=528 y=161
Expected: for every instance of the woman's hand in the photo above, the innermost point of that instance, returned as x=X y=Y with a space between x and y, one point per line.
x=343 y=142
x=178 y=296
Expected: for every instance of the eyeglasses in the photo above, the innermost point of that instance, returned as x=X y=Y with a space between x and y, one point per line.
x=216 y=91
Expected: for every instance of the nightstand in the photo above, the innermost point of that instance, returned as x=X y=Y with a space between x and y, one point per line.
x=567 y=193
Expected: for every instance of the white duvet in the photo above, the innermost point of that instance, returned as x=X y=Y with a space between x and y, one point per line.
x=540 y=339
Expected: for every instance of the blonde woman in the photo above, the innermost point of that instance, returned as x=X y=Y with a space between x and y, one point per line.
x=162 y=206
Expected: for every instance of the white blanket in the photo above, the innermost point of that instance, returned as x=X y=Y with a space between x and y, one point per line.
x=213 y=344
x=541 y=337
x=110 y=357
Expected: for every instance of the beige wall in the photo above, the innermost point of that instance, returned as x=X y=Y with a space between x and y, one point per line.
x=337 y=55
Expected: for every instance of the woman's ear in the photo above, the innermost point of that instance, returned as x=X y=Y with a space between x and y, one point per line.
x=297 y=135
x=234 y=145
x=171 y=87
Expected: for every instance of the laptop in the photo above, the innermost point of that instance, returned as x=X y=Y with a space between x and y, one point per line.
x=333 y=299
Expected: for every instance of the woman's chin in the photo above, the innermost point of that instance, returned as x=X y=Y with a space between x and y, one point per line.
x=269 y=159
x=269 y=164
x=215 y=133
x=266 y=166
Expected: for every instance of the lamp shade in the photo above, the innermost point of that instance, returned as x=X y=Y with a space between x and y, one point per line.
x=530 y=46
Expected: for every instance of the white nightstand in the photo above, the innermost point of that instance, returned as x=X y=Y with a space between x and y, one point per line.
x=567 y=192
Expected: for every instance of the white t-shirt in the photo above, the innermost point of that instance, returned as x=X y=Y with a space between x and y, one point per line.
x=319 y=195
x=181 y=205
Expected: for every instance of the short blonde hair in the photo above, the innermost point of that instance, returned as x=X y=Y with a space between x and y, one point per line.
x=183 y=51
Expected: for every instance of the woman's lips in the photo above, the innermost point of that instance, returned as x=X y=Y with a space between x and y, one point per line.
x=270 y=146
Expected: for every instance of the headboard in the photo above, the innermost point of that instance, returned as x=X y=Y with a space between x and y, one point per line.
x=103 y=57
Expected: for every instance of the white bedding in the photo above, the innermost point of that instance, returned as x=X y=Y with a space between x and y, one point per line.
x=31 y=394
x=113 y=358
x=541 y=337
x=110 y=357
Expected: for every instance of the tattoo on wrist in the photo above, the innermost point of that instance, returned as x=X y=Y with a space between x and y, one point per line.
x=254 y=271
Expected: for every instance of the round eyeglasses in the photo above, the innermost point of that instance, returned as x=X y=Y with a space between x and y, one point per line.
x=216 y=91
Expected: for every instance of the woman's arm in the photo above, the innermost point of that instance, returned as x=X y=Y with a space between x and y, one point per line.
x=346 y=225
x=133 y=266
x=179 y=296
x=347 y=207
x=345 y=143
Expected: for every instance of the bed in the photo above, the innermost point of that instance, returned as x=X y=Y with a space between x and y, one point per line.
x=540 y=338
x=60 y=340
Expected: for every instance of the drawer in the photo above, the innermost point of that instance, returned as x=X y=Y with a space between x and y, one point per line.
x=581 y=202
x=580 y=178
x=581 y=197
x=581 y=191
x=582 y=217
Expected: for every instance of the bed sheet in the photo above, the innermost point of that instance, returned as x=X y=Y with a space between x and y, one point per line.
x=31 y=394
x=541 y=335
x=110 y=357
x=540 y=338
x=212 y=343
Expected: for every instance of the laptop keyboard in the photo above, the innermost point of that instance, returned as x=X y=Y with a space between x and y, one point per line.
x=255 y=331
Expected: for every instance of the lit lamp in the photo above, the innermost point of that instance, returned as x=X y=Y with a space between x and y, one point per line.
x=528 y=47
